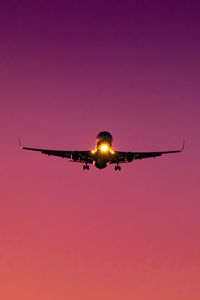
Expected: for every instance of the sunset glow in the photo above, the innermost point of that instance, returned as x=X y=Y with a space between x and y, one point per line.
x=72 y=69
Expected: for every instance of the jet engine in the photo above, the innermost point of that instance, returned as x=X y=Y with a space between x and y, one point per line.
x=75 y=155
x=129 y=156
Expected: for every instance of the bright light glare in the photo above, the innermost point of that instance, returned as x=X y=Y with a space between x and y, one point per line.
x=104 y=148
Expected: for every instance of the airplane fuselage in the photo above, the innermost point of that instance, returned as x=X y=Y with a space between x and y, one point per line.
x=103 y=152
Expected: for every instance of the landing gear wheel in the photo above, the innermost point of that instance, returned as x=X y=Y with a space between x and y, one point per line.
x=85 y=167
x=117 y=168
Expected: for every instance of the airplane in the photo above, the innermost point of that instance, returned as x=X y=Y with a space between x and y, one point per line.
x=103 y=154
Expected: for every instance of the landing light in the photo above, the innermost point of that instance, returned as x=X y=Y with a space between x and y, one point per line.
x=104 y=148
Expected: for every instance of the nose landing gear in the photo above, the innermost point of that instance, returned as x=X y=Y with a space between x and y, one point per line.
x=86 y=167
x=117 y=168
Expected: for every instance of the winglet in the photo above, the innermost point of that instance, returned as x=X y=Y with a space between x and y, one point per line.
x=183 y=146
x=20 y=146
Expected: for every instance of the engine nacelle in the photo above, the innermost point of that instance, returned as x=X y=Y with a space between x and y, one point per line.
x=129 y=156
x=75 y=155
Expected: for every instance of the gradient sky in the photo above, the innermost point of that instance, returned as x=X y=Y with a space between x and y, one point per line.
x=69 y=69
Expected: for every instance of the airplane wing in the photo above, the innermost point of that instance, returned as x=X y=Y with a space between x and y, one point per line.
x=125 y=157
x=80 y=156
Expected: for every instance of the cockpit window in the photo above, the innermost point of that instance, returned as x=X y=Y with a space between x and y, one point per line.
x=104 y=134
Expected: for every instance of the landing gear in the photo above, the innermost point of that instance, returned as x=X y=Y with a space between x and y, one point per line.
x=117 y=168
x=85 y=167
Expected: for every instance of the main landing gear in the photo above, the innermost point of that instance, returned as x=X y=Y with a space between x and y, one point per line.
x=117 y=168
x=86 y=167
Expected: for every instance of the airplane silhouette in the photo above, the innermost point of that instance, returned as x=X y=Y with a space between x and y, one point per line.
x=102 y=155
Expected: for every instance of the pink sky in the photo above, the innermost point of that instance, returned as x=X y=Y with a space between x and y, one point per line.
x=69 y=69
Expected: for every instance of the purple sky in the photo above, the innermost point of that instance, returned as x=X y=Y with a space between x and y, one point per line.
x=69 y=69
